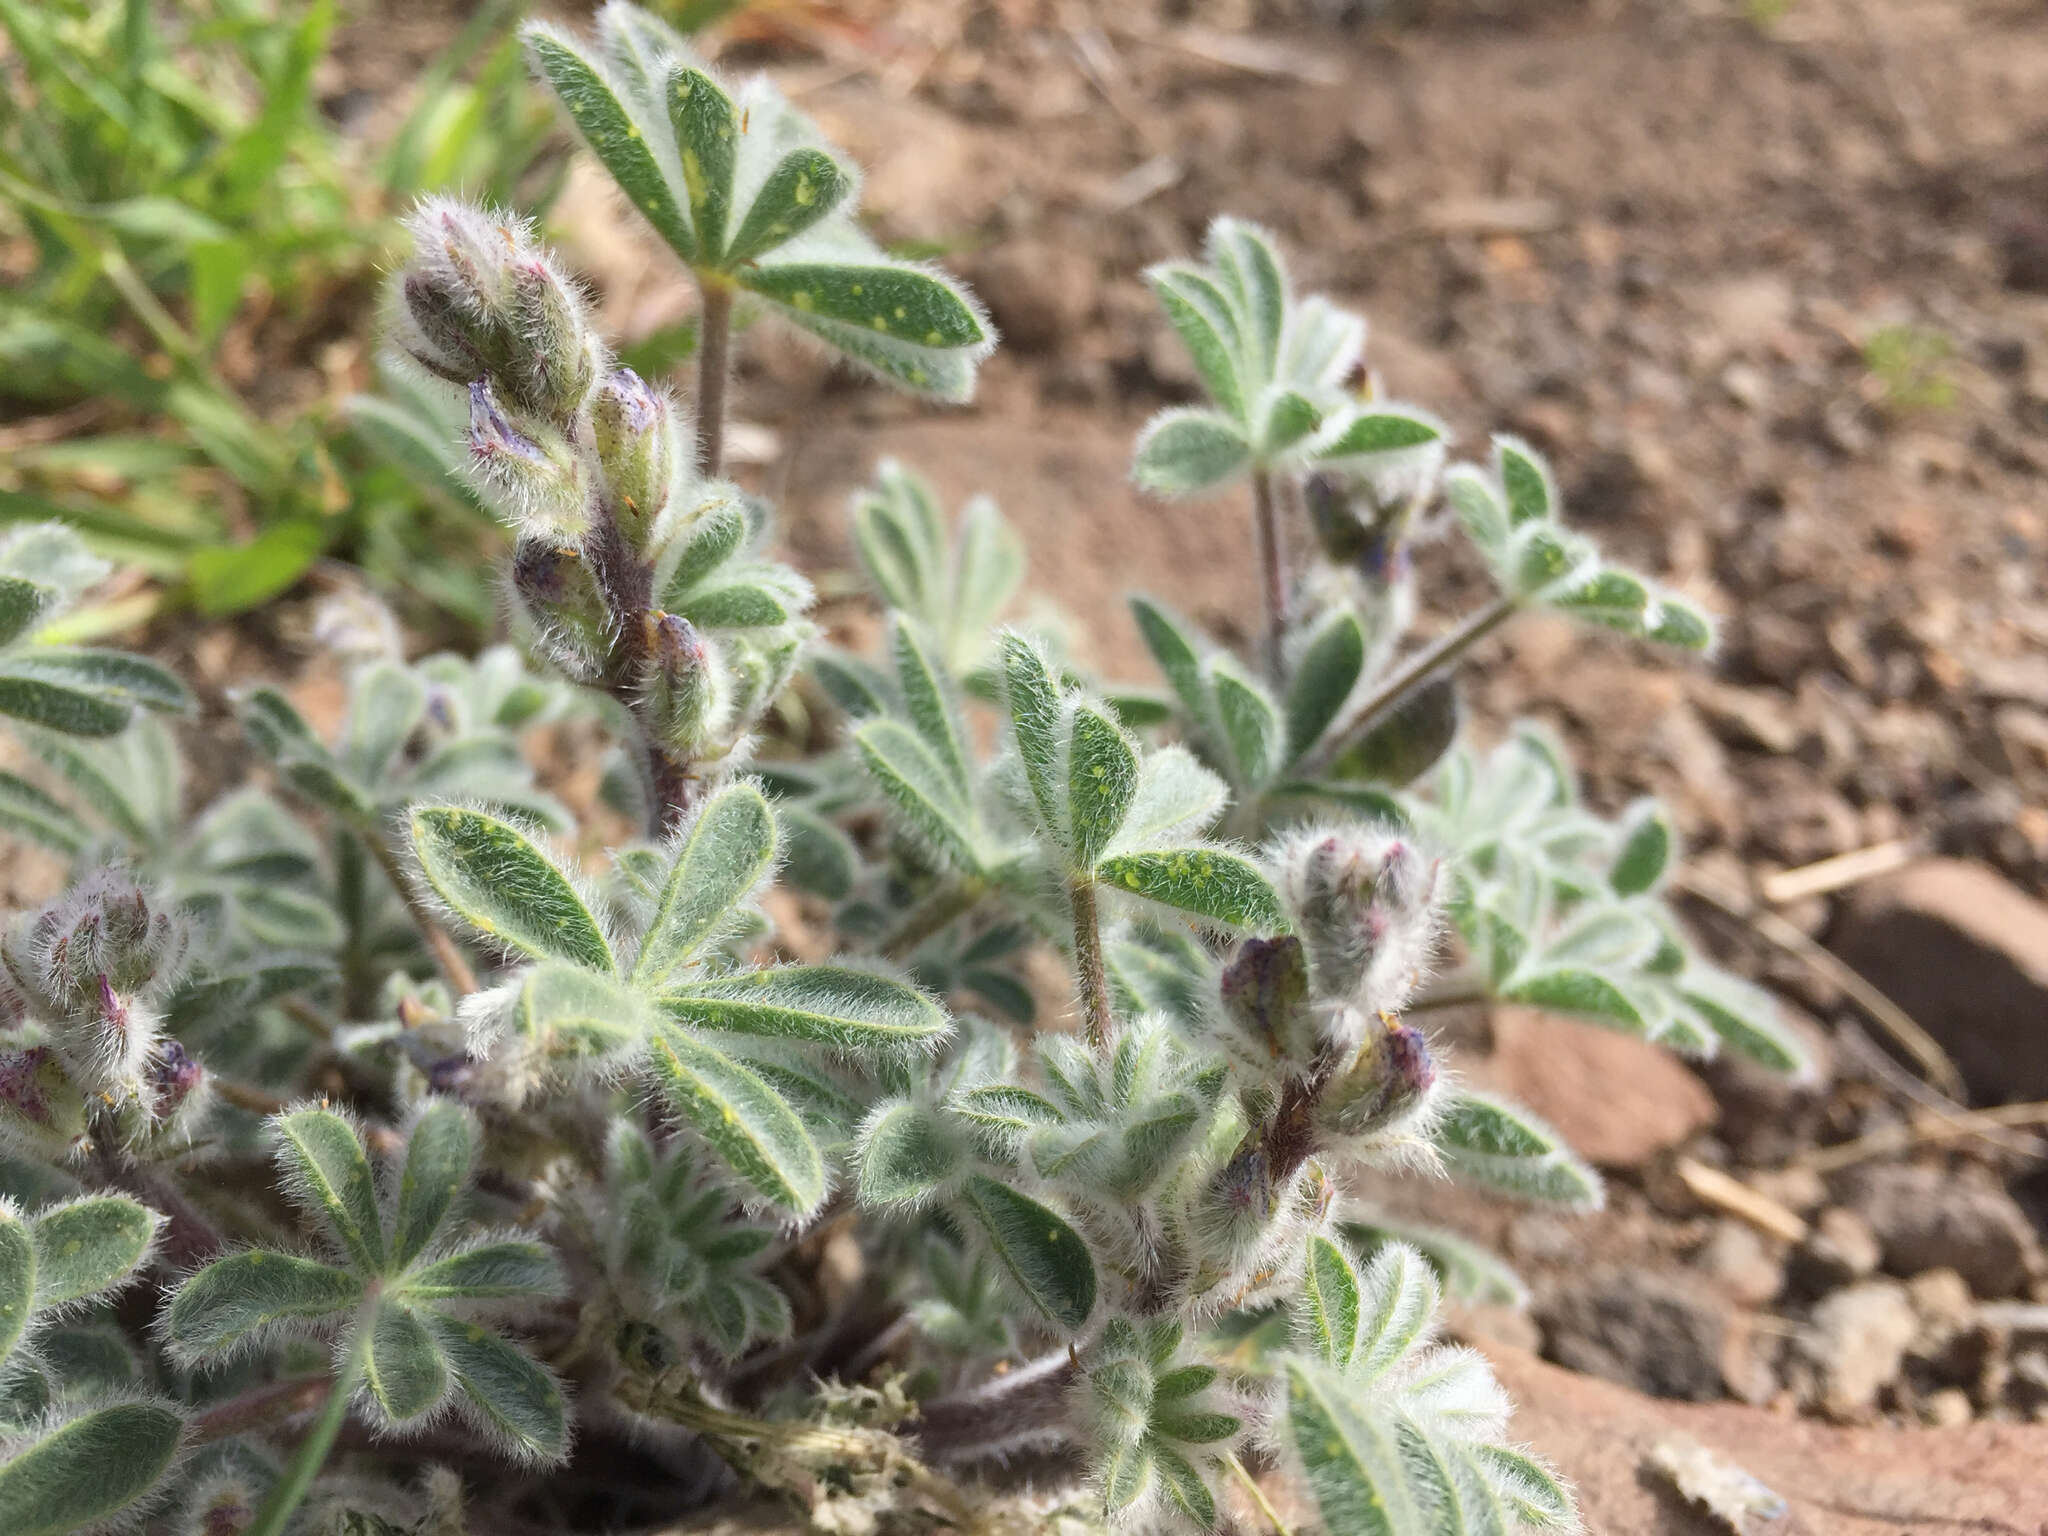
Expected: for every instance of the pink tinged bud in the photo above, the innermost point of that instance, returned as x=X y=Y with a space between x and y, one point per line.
x=558 y=591
x=1265 y=993
x=682 y=684
x=533 y=467
x=558 y=353
x=173 y=1078
x=634 y=432
x=1364 y=906
x=41 y=1108
x=1388 y=1084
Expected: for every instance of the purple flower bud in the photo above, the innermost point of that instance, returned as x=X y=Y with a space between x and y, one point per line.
x=682 y=684
x=452 y=1075
x=1265 y=993
x=173 y=1078
x=556 y=589
x=41 y=1108
x=1387 y=1085
x=532 y=466
x=1363 y=899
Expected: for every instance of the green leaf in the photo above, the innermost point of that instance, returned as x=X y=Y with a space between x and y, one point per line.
x=805 y=186
x=1044 y=1257
x=1251 y=725
x=707 y=130
x=1610 y=596
x=896 y=528
x=930 y=710
x=1167 y=637
x=1465 y=1270
x=1290 y=417
x=1329 y=1302
x=1647 y=844
x=319 y=781
x=273 y=723
x=87 y=1247
x=743 y=605
x=1582 y=992
x=21 y=604
x=1525 y=480
x=1125 y=1475
x=902 y=304
x=1324 y=680
x=1502 y=1147
x=1677 y=623
x=1034 y=703
x=818 y=858
x=714 y=538
x=1224 y=888
x=1407 y=741
x=439 y=1156
x=402 y=1368
x=491 y=1271
x=723 y=855
x=1004 y=1107
x=1177 y=798
x=28 y=812
x=230 y=579
x=1352 y=1461
x=1102 y=779
x=1203 y=316
x=1195 y=1426
x=233 y=1298
x=511 y=1396
x=1398 y=1299
x=386 y=704
x=57 y=706
x=1744 y=1018
x=86 y=1469
x=1249 y=269
x=608 y=128
x=501 y=885
x=741 y=1118
x=1478 y=508
x=918 y=787
x=1378 y=429
x=1183 y=1484
x=988 y=559
x=325 y=1169
x=579 y=1019
x=905 y=1156
x=17 y=1278
x=1188 y=450
x=832 y=1005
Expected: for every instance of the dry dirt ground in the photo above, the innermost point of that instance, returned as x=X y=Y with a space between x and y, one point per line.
x=1770 y=283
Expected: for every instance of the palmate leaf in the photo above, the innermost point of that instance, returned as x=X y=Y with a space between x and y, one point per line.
x=721 y=858
x=86 y=1467
x=921 y=793
x=742 y=1119
x=912 y=326
x=234 y=1299
x=1102 y=779
x=1188 y=450
x=838 y=1006
x=87 y=1247
x=598 y=108
x=503 y=886
x=906 y=1155
x=509 y=1395
x=402 y=1370
x=503 y=1270
x=324 y=1169
x=1213 y=884
x=1207 y=322
x=1501 y=1147
x=1043 y=1257
x=707 y=131
x=805 y=186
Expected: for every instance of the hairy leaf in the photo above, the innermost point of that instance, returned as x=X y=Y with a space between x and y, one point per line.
x=742 y=1119
x=1323 y=680
x=921 y=791
x=17 y=1278
x=1501 y=1147
x=905 y=1156
x=1210 y=883
x=724 y=854
x=326 y=1170
x=439 y=1156
x=833 y=1005
x=29 y=812
x=1044 y=1257
x=1102 y=778
x=805 y=186
x=402 y=1368
x=490 y=1271
x=499 y=883
x=87 y=1468
x=1188 y=450
x=707 y=131
x=511 y=1395
x=89 y=1246
x=234 y=1297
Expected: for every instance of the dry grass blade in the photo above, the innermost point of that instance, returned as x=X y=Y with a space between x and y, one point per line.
x=1713 y=1187
x=1921 y=1130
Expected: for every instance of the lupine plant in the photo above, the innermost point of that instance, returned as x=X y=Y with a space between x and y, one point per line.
x=574 y=1161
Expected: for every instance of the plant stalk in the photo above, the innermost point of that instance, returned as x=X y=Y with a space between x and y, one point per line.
x=1390 y=695
x=1272 y=571
x=447 y=954
x=261 y=1408
x=714 y=345
x=1088 y=967
x=937 y=912
x=290 y=1490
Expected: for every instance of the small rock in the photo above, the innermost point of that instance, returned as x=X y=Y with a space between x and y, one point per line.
x=1840 y=1250
x=1739 y=1262
x=1616 y=1100
x=1747 y=717
x=1798 y=1189
x=1941 y=1299
x=1947 y=1408
x=1856 y=1344
x=1644 y=1331
x=1966 y=954
x=1928 y=1218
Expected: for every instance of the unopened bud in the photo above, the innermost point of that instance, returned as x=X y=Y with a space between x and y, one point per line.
x=42 y=1111
x=683 y=684
x=556 y=589
x=634 y=430
x=530 y=465
x=1363 y=901
x=1388 y=1083
x=1239 y=1206
x=1265 y=994
x=762 y=668
x=559 y=353
x=173 y=1077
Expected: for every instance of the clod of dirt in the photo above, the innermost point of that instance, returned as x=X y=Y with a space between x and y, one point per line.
x=1731 y=1495
x=1740 y=1263
x=1840 y=1250
x=1931 y=1218
x=1966 y=954
x=1855 y=1346
x=1657 y=1335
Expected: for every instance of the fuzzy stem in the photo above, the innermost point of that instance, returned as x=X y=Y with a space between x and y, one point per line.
x=1019 y=1407
x=461 y=979
x=937 y=912
x=290 y=1490
x=261 y=1408
x=1088 y=966
x=1390 y=695
x=1272 y=571
x=714 y=344
x=1258 y=1494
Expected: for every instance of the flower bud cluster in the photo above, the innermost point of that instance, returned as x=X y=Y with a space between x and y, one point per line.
x=87 y=971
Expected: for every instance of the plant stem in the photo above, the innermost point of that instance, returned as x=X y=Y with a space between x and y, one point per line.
x=261 y=1408
x=461 y=979
x=1390 y=695
x=714 y=342
x=1272 y=570
x=937 y=912
x=1088 y=961
x=290 y=1490
x=1251 y=1486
